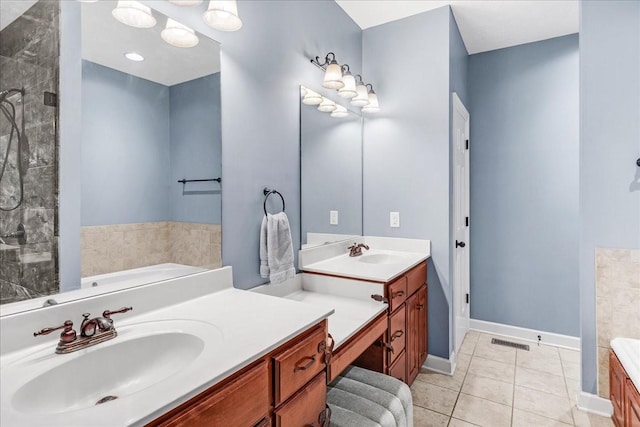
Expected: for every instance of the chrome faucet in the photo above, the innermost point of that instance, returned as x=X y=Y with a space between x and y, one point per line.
x=356 y=249
x=92 y=331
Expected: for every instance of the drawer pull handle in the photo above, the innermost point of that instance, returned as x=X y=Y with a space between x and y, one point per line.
x=397 y=294
x=312 y=360
x=380 y=298
x=397 y=334
x=420 y=307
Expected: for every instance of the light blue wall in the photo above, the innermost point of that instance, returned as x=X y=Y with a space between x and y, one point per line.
x=524 y=185
x=331 y=171
x=125 y=148
x=406 y=147
x=195 y=150
x=610 y=145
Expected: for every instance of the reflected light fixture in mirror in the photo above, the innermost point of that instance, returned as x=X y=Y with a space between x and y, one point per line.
x=362 y=98
x=134 y=14
x=372 y=106
x=311 y=98
x=339 y=112
x=349 y=88
x=186 y=2
x=179 y=35
x=327 y=105
x=223 y=15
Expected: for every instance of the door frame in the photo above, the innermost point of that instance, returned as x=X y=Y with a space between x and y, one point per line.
x=458 y=293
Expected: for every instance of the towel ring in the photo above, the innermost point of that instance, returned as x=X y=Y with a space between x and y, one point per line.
x=267 y=192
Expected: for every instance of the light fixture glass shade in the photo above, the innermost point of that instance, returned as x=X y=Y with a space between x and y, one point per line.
x=349 y=88
x=339 y=112
x=373 y=106
x=179 y=35
x=312 y=98
x=134 y=14
x=186 y=2
x=333 y=76
x=327 y=105
x=223 y=15
x=362 y=98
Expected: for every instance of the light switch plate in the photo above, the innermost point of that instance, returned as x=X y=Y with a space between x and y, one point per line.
x=394 y=219
x=333 y=217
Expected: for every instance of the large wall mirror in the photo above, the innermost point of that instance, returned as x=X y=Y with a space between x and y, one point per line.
x=331 y=168
x=151 y=163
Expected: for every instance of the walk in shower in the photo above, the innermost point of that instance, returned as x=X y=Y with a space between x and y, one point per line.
x=29 y=50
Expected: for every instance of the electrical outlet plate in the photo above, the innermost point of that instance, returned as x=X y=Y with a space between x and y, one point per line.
x=394 y=219
x=333 y=217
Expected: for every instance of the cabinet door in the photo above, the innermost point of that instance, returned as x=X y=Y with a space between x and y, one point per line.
x=617 y=377
x=413 y=351
x=632 y=405
x=307 y=407
x=423 y=332
x=399 y=368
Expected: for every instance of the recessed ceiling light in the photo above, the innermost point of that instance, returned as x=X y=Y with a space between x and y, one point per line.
x=132 y=56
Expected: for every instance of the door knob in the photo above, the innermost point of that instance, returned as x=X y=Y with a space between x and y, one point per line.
x=460 y=244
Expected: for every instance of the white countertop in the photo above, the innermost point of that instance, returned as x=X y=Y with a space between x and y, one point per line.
x=628 y=352
x=250 y=324
x=357 y=268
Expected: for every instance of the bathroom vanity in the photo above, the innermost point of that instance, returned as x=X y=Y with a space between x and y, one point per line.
x=624 y=376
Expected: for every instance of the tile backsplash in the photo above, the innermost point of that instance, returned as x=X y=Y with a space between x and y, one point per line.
x=109 y=248
x=617 y=302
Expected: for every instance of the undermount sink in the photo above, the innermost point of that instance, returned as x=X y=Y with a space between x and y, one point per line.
x=382 y=259
x=141 y=356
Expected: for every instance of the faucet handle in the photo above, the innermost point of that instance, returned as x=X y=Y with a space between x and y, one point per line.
x=107 y=313
x=68 y=335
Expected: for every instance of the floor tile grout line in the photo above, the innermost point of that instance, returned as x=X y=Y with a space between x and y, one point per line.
x=513 y=390
x=466 y=372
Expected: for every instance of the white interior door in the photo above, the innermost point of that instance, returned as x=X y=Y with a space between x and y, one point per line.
x=461 y=221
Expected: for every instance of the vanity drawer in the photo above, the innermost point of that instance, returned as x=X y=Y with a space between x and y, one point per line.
x=295 y=366
x=397 y=332
x=399 y=368
x=307 y=407
x=416 y=277
x=397 y=293
x=226 y=405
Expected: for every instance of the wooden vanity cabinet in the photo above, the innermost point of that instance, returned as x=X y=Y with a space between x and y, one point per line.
x=623 y=395
x=403 y=348
x=286 y=386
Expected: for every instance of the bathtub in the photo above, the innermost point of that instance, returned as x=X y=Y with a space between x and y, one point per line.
x=628 y=352
x=138 y=276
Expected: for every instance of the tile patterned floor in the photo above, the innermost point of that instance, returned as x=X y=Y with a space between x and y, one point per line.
x=497 y=386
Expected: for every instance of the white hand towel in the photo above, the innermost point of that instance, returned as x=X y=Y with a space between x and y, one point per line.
x=279 y=248
x=264 y=263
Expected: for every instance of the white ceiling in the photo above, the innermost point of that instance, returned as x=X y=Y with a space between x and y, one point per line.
x=484 y=25
x=105 y=41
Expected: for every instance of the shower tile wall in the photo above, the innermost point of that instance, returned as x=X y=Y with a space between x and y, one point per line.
x=109 y=248
x=29 y=49
x=617 y=302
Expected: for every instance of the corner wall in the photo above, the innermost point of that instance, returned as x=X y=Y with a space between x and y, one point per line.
x=609 y=145
x=524 y=156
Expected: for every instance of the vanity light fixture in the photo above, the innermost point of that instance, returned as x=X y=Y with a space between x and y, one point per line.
x=349 y=88
x=332 y=73
x=134 y=14
x=312 y=98
x=362 y=98
x=327 y=105
x=339 y=112
x=223 y=15
x=372 y=106
x=179 y=35
x=133 y=56
x=186 y=2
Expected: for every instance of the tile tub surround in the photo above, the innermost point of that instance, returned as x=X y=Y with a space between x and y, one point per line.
x=29 y=59
x=501 y=386
x=109 y=248
x=617 y=302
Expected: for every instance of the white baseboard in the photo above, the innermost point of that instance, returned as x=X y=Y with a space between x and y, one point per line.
x=549 y=338
x=595 y=404
x=440 y=364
